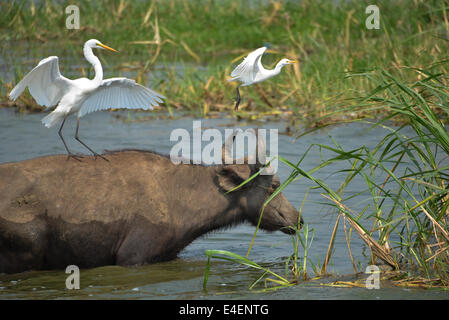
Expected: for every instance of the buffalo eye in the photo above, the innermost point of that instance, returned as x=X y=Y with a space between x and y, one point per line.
x=274 y=186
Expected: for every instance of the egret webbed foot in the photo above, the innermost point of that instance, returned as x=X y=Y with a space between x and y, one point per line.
x=99 y=155
x=93 y=152
x=74 y=156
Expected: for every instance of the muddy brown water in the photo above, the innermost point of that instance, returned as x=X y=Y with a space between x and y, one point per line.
x=23 y=136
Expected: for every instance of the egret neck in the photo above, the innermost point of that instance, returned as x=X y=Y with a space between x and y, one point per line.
x=278 y=68
x=89 y=55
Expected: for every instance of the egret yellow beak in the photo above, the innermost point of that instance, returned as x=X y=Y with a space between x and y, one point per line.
x=292 y=61
x=106 y=47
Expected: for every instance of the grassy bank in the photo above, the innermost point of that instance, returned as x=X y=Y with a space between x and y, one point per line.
x=186 y=49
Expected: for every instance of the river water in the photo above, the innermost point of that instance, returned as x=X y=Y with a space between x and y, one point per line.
x=23 y=136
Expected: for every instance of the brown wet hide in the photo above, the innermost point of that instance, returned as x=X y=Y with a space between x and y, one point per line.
x=137 y=208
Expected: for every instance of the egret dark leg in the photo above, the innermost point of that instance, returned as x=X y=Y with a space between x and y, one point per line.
x=79 y=140
x=69 y=154
x=238 y=99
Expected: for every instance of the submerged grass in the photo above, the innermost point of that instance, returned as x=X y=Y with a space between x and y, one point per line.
x=186 y=49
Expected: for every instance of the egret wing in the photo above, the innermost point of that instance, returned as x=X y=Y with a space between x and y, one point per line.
x=45 y=83
x=117 y=93
x=250 y=66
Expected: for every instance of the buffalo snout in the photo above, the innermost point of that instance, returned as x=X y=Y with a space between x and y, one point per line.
x=281 y=215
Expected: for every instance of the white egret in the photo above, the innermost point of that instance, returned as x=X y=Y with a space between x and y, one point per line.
x=49 y=88
x=251 y=71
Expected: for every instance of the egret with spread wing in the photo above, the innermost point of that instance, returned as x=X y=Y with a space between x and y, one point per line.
x=251 y=71
x=49 y=88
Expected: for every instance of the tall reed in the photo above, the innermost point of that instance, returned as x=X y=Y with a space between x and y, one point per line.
x=405 y=220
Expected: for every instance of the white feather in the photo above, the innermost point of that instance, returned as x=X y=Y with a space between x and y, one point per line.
x=49 y=88
x=45 y=83
x=117 y=93
x=250 y=67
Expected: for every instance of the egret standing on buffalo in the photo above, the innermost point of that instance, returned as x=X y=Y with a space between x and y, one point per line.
x=251 y=71
x=49 y=88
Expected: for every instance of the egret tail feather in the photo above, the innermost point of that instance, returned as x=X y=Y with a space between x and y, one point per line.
x=52 y=119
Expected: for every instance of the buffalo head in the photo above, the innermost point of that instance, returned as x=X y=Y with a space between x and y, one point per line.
x=279 y=214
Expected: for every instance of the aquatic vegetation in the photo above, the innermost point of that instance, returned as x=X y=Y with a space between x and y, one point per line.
x=403 y=218
x=187 y=45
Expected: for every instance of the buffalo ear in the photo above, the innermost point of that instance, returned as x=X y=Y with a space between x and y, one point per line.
x=231 y=176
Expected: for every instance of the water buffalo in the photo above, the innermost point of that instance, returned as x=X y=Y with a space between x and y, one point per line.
x=137 y=208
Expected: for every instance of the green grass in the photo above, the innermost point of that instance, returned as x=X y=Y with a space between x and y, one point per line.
x=189 y=48
x=404 y=219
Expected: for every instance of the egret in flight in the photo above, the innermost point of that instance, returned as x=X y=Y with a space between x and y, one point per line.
x=82 y=96
x=251 y=71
